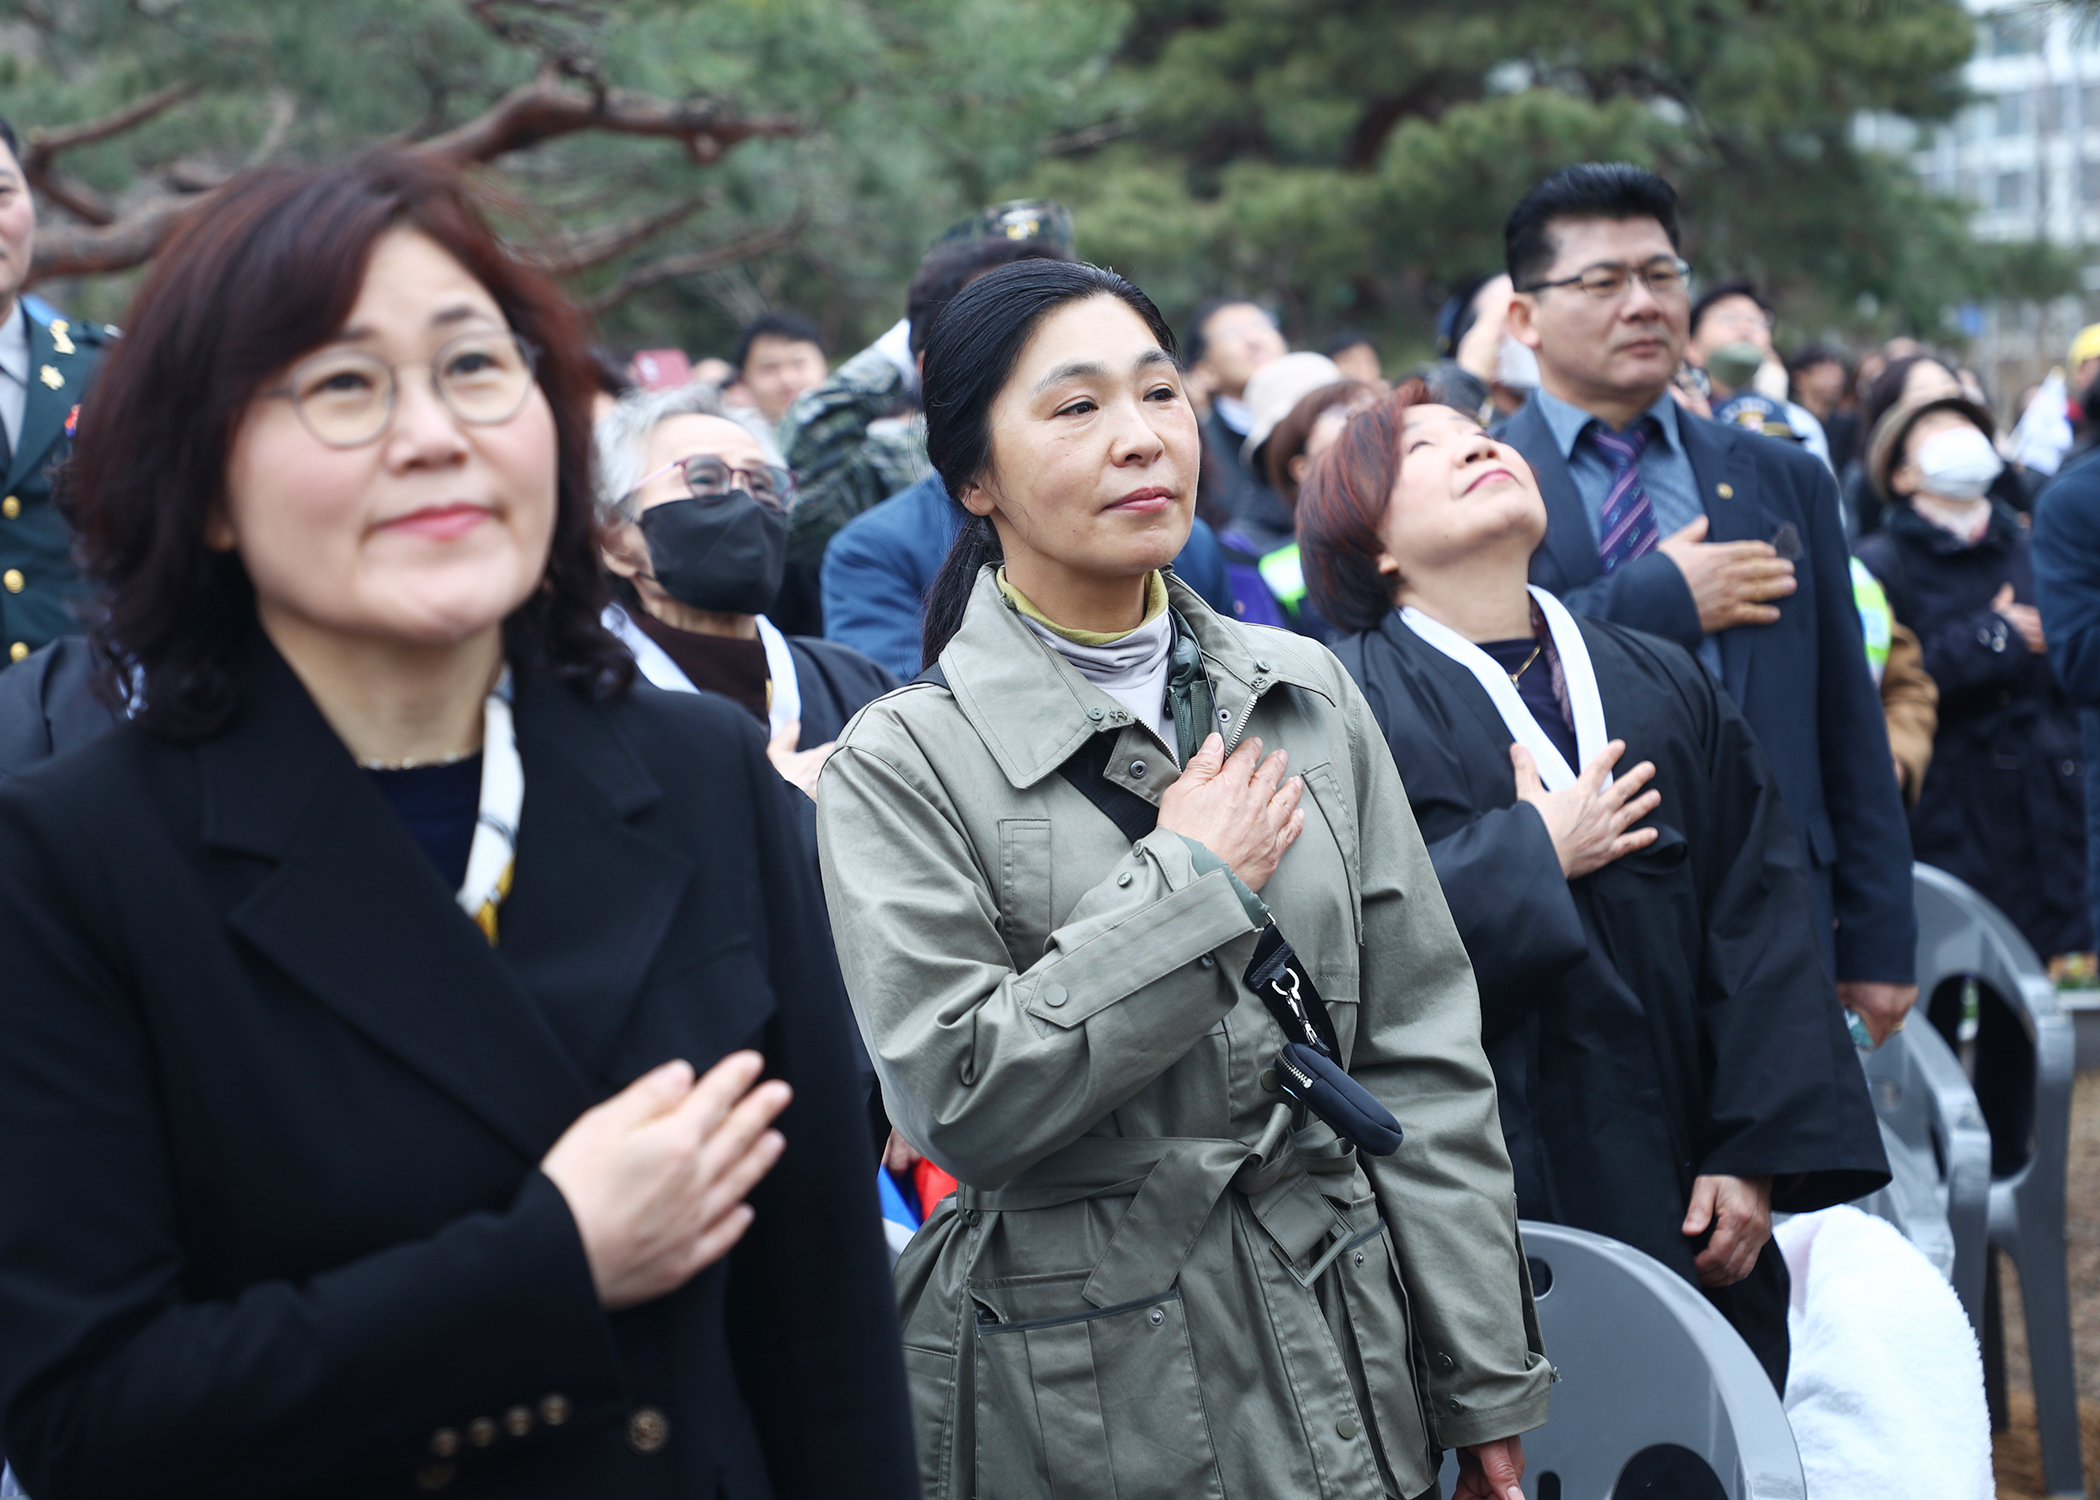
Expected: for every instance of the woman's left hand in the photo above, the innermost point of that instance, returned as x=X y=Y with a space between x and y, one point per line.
x=1491 y=1471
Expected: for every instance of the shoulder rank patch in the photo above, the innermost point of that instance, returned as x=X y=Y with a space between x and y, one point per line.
x=72 y=419
x=51 y=377
x=60 y=341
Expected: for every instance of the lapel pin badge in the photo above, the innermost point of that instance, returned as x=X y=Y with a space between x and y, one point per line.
x=1725 y=491
x=51 y=377
x=61 y=342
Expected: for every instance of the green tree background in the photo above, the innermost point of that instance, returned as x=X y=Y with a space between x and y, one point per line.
x=1347 y=160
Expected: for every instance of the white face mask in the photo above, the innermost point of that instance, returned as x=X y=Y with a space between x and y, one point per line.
x=1958 y=464
x=1516 y=367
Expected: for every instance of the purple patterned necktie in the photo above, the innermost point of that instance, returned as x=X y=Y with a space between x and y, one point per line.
x=1626 y=525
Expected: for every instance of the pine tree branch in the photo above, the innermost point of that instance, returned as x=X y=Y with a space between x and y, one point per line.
x=608 y=242
x=546 y=108
x=654 y=273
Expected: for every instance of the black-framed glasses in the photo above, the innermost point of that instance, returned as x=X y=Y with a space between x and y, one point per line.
x=346 y=396
x=1607 y=283
x=709 y=478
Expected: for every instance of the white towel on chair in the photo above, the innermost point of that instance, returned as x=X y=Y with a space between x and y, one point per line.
x=1884 y=1386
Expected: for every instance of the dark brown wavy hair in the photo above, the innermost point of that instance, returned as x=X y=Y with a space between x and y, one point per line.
x=1341 y=506
x=265 y=273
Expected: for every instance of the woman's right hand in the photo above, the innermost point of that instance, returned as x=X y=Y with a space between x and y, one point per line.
x=656 y=1175
x=1235 y=807
x=1588 y=820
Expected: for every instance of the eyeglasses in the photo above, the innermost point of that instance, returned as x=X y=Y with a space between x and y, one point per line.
x=346 y=396
x=1663 y=278
x=708 y=478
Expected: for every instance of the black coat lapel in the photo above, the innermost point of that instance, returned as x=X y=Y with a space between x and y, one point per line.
x=45 y=408
x=1568 y=557
x=593 y=899
x=1727 y=481
x=356 y=915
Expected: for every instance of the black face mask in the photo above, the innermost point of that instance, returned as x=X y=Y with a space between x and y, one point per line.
x=725 y=556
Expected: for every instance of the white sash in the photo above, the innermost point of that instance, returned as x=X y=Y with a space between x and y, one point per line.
x=1576 y=671
x=659 y=670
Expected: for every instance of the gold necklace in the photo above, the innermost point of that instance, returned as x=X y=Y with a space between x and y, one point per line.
x=1535 y=650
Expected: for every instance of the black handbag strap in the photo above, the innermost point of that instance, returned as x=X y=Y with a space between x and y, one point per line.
x=1087 y=770
x=1275 y=973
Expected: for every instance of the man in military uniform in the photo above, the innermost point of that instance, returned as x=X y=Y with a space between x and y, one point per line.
x=45 y=362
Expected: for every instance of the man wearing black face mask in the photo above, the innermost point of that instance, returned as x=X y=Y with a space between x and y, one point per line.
x=696 y=506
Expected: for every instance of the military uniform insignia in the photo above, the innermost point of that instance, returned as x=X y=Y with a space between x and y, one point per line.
x=60 y=341
x=72 y=419
x=51 y=377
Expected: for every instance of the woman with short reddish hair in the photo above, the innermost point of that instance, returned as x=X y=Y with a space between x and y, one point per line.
x=380 y=1052
x=1670 y=1060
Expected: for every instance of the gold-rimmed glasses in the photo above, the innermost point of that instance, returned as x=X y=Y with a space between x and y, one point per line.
x=345 y=397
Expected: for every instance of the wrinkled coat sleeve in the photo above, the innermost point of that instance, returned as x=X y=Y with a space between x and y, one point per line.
x=1514 y=911
x=1786 y=1097
x=871 y=596
x=807 y=1289
x=2067 y=578
x=1446 y=1195
x=986 y=1069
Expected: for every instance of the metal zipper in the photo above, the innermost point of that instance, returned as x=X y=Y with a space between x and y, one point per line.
x=1256 y=689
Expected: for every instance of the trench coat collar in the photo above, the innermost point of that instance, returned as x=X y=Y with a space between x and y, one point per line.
x=1030 y=706
x=357 y=917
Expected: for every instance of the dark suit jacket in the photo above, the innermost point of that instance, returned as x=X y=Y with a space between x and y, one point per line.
x=1802 y=683
x=271 y=1222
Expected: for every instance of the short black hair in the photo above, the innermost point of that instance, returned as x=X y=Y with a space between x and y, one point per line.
x=611 y=373
x=950 y=267
x=1817 y=354
x=9 y=139
x=1346 y=338
x=791 y=326
x=1198 y=345
x=1721 y=293
x=1588 y=190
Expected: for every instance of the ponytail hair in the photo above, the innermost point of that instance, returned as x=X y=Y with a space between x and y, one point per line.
x=970 y=354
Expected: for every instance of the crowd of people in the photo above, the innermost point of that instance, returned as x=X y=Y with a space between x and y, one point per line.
x=518 y=865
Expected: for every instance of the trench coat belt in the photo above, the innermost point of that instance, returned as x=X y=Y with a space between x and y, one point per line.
x=1177 y=1180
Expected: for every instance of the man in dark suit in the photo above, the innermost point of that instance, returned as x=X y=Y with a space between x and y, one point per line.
x=1723 y=540
x=45 y=362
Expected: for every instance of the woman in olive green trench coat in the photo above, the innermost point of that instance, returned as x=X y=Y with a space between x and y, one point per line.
x=1151 y=1284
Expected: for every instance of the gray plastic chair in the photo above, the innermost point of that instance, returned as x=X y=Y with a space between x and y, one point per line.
x=1643 y=1360
x=1939 y=1151
x=1961 y=934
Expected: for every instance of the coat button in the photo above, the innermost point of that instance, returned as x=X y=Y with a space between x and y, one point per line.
x=518 y=1421
x=1206 y=962
x=1137 y=767
x=1053 y=994
x=1157 y=1316
x=445 y=1442
x=554 y=1409
x=434 y=1476
x=481 y=1431
x=1446 y=1362
x=10 y=507
x=1346 y=1427
x=1455 y=1405
x=1268 y=1080
x=1123 y=879
x=1095 y=714
x=13 y=580
x=19 y=651
x=1359 y=1257
x=648 y=1430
